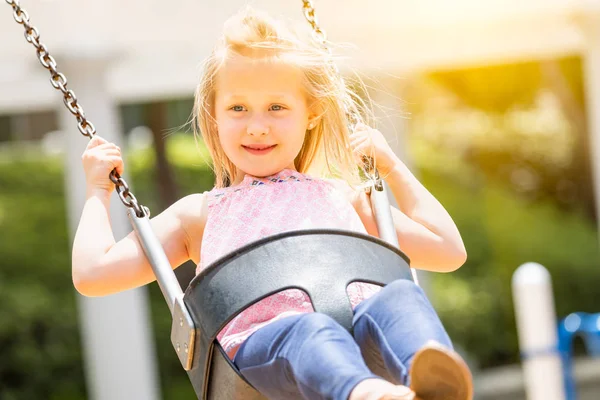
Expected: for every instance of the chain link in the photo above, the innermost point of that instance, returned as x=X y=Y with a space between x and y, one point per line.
x=309 y=14
x=321 y=36
x=59 y=82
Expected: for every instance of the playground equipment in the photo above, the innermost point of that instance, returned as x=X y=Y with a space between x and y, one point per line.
x=547 y=347
x=536 y=326
x=577 y=324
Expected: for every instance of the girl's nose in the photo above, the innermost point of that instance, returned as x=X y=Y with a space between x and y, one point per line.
x=257 y=127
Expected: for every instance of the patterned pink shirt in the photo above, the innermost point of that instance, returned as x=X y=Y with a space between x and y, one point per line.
x=260 y=207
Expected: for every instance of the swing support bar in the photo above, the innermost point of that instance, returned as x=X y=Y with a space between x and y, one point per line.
x=382 y=210
x=183 y=329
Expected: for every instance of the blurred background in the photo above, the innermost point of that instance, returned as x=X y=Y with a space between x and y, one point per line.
x=494 y=105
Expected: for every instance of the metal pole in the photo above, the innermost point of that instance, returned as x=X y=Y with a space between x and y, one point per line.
x=119 y=355
x=167 y=281
x=537 y=330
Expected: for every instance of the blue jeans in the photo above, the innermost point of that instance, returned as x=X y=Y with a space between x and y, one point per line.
x=311 y=356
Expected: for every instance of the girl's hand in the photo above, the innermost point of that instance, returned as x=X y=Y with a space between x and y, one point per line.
x=99 y=159
x=366 y=141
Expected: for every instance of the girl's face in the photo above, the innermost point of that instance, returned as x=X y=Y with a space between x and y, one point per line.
x=262 y=114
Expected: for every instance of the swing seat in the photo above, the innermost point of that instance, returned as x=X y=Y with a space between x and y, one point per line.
x=320 y=262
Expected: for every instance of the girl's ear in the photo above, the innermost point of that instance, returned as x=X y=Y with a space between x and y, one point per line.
x=313 y=120
x=315 y=114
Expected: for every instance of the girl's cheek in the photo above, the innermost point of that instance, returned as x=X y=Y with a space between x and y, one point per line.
x=231 y=125
x=290 y=124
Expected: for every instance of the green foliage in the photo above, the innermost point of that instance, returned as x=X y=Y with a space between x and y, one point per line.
x=501 y=231
x=39 y=338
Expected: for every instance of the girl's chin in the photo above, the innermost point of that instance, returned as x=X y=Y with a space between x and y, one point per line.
x=262 y=171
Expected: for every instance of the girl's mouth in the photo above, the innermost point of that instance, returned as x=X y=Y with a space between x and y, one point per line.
x=259 y=149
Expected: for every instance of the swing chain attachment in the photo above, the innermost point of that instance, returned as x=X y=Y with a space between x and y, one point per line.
x=59 y=82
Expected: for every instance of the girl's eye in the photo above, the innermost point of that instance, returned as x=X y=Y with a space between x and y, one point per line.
x=277 y=107
x=237 y=108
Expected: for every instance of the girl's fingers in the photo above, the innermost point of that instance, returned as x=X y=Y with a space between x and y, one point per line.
x=360 y=151
x=360 y=143
x=96 y=141
x=359 y=133
x=360 y=127
x=102 y=147
x=364 y=150
x=358 y=139
x=101 y=144
x=117 y=163
x=107 y=145
x=112 y=152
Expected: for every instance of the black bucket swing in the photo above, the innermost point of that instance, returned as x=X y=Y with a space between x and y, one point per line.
x=320 y=262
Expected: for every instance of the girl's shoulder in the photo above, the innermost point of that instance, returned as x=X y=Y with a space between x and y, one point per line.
x=192 y=207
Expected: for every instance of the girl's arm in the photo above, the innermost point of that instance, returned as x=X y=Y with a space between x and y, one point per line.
x=426 y=232
x=102 y=266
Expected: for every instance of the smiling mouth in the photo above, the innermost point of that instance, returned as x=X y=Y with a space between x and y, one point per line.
x=259 y=148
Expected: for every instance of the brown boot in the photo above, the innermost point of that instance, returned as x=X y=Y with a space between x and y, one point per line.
x=439 y=373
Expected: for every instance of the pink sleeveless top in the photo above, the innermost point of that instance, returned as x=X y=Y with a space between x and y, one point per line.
x=260 y=207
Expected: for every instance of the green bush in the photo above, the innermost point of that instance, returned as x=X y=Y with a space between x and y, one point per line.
x=39 y=338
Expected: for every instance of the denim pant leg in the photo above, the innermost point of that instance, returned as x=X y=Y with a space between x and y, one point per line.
x=395 y=323
x=306 y=356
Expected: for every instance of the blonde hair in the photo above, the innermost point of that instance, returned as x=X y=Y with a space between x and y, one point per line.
x=326 y=148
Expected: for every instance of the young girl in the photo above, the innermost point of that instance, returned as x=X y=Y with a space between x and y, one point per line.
x=273 y=113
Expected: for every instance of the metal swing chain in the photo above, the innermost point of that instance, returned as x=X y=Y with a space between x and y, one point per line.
x=381 y=207
x=59 y=82
x=379 y=200
x=309 y=14
x=321 y=36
